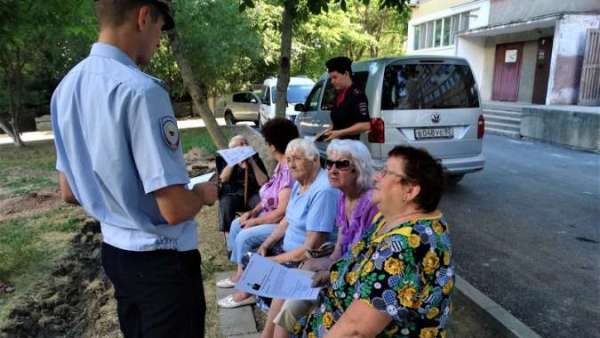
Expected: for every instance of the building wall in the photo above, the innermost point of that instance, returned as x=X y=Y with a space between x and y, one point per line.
x=567 y=57
x=433 y=6
x=527 y=71
x=483 y=59
x=506 y=11
x=474 y=51
x=436 y=9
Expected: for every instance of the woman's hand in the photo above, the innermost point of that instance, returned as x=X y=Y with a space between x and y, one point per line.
x=320 y=279
x=245 y=217
x=262 y=249
x=248 y=223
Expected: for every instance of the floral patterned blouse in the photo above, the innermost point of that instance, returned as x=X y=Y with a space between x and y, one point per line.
x=406 y=273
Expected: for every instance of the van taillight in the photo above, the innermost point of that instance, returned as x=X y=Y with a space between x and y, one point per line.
x=480 y=127
x=377 y=133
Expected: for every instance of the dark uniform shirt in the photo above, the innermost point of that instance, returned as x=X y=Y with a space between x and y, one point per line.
x=353 y=109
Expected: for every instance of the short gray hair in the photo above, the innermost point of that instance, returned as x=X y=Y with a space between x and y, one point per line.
x=307 y=147
x=360 y=157
x=237 y=138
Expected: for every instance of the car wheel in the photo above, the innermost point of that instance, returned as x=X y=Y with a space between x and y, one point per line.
x=229 y=119
x=454 y=179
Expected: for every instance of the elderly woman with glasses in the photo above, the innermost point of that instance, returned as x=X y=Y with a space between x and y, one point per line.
x=309 y=216
x=398 y=280
x=349 y=169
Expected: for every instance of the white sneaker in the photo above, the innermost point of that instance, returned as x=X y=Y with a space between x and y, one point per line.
x=230 y=303
x=226 y=283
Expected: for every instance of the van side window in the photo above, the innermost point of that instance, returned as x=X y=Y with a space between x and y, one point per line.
x=428 y=86
x=312 y=100
x=329 y=95
x=266 y=95
x=359 y=79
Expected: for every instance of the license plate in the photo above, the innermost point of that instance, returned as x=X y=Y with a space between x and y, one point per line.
x=425 y=133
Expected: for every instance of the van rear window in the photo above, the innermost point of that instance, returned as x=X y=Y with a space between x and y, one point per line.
x=428 y=86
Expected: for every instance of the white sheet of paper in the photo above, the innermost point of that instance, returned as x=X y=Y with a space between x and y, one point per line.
x=263 y=277
x=200 y=179
x=236 y=155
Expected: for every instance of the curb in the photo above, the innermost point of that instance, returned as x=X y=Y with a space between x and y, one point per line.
x=512 y=324
x=238 y=322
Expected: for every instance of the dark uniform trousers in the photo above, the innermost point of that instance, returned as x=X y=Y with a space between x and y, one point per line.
x=159 y=293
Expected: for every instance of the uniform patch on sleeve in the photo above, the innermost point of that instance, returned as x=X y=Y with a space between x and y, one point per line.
x=170 y=132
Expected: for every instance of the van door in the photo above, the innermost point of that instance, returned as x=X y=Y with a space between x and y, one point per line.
x=265 y=103
x=306 y=120
x=431 y=104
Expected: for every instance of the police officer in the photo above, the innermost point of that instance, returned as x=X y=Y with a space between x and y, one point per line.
x=119 y=156
x=350 y=112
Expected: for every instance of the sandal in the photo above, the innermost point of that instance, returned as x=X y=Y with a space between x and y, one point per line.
x=230 y=303
x=226 y=283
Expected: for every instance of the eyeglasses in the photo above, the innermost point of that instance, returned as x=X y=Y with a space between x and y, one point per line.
x=386 y=172
x=340 y=165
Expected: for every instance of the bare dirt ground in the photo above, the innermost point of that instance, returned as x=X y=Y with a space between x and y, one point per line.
x=31 y=204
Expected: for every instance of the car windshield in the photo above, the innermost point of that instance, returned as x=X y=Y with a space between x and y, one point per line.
x=428 y=86
x=295 y=94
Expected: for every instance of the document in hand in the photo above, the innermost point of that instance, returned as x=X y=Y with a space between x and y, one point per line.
x=265 y=278
x=200 y=179
x=236 y=155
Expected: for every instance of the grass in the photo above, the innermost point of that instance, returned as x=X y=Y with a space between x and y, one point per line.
x=214 y=259
x=199 y=138
x=30 y=246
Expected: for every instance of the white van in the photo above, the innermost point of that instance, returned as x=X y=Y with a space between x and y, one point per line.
x=298 y=90
x=429 y=102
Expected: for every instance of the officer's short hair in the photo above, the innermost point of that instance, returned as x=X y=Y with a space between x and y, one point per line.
x=340 y=64
x=114 y=13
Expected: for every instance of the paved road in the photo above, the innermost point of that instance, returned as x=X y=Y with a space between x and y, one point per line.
x=526 y=232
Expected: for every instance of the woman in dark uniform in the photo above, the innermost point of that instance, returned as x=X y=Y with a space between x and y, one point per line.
x=350 y=112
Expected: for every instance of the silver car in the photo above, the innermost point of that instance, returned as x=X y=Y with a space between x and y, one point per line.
x=242 y=106
x=429 y=102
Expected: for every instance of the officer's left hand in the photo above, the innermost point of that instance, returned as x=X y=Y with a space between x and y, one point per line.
x=207 y=191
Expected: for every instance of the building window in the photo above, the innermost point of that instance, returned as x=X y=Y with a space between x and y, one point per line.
x=441 y=32
x=438 y=33
x=446 y=31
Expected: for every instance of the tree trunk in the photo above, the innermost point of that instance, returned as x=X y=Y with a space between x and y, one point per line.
x=8 y=129
x=14 y=105
x=283 y=79
x=198 y=92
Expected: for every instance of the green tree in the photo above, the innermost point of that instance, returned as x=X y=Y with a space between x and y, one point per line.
x=214 y=45
x=39 y=40
x=295 y=12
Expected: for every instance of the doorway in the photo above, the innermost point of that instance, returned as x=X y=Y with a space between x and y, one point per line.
x=507 y=71
x=542 y=70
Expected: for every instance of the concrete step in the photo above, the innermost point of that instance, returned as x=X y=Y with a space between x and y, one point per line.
x=502 y=132
x=507 y=113
x=501 y=107
x=502 y=119
x=238 y=322
x=504 y=126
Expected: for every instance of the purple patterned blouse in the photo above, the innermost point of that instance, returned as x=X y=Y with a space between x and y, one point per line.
x=269 y=192
x=360 y=220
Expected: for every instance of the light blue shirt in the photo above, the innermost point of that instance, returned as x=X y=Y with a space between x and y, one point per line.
x=312 y=210
x=116 y=142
